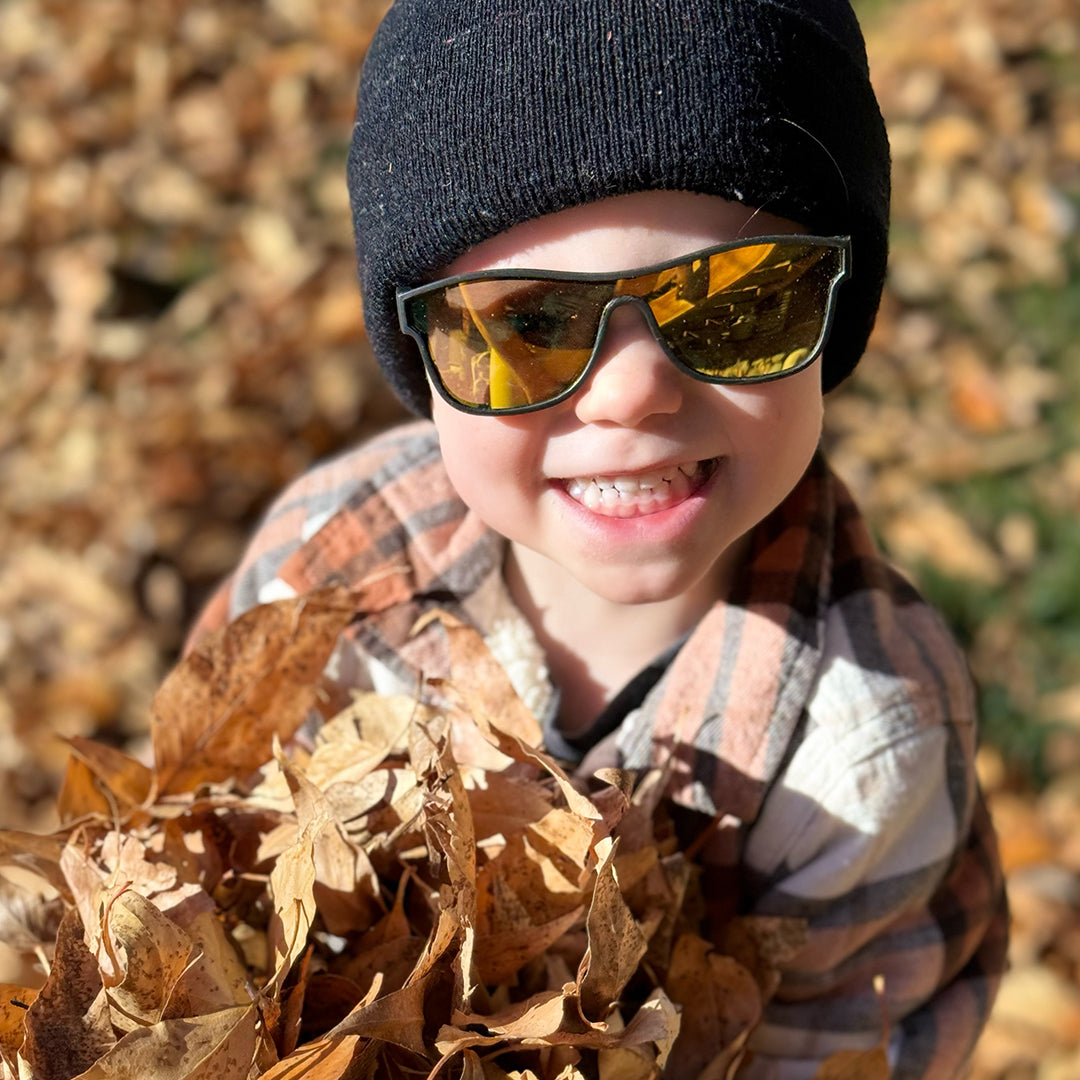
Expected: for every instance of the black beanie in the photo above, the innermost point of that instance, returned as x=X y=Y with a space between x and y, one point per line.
x=475 y=115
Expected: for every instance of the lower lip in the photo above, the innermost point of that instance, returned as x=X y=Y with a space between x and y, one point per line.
x=663 y=526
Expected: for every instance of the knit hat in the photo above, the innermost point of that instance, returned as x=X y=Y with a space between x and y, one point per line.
x=475 y=115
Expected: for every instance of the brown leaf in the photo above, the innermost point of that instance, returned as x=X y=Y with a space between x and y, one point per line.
x=39 y=854
x=152 y=953
x=326 y=1000
x=292 y=887
x=449 y=829
x=346 y=887
x=478 y=675
x=624 y=1064
x=378 y=803
x=81 y=794
x=656 y=1024
x=855 y=1065
x=216 y=714
x=616 y=944
x=128 y=781
x=217 y=1046
x=394 y=960
x=446 y=933
x=540 y=1017
x=28 y=917
x=553 y=1018
x=522 y=887
x=506 y=804
x=394 y=925
x=14 y=1002
x=471 y=1069
x=216 y=979
x=119 y=860
x=334 y=1056
x=360 y=738
x=346 y=1058
x=68 y=1026
x=389 y=949
x=85 y=884
x=396 y=1018
x=286 y=1030
x=567 y=838
x=501 y=955
x=720 y=1004
x=513 y=747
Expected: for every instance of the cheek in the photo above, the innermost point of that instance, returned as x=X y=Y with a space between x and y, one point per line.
x=779 y=423
x=802 y=417
x=487 y=461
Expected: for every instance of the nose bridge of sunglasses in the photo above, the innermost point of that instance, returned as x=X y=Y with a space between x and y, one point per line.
x=647 y=329
x=626 y=300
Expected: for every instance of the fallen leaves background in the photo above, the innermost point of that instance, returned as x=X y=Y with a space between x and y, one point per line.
x=181 y=334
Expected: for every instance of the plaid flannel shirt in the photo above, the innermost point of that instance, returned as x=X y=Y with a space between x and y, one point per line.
x=822 y=714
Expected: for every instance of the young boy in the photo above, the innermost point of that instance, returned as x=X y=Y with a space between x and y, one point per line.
x=618 y=250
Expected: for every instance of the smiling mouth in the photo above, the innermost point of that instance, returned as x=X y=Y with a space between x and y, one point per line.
x=637 y=494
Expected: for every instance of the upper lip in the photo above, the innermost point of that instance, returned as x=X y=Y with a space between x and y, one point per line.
x=666 y=466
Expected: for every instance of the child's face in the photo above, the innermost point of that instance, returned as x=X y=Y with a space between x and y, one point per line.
x=695 y=465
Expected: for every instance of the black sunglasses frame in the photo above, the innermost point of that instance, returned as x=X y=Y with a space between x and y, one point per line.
x=840 y=243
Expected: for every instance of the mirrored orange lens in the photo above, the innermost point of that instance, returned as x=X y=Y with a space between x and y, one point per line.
x=766 y=319
x=507 y=343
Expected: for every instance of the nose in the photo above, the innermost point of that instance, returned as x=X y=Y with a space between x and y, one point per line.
x=632 y=377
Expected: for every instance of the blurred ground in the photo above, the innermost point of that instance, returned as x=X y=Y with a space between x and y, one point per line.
x=181 y=334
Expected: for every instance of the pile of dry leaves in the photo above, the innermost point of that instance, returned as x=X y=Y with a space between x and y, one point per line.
x=181 y=329
x=420 y=893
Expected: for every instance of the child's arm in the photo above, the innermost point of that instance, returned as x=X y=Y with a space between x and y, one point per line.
x=877 y=835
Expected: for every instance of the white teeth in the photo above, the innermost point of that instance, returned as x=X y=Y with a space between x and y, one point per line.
x=645 y=493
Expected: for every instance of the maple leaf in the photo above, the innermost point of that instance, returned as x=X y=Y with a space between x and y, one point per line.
x=215 y=716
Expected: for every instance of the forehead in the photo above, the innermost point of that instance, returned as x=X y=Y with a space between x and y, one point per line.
x=621 y=233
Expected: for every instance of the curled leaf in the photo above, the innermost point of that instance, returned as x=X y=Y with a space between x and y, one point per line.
x=152 y=952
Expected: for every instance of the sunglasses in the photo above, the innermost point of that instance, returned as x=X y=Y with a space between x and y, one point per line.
x=499 y=342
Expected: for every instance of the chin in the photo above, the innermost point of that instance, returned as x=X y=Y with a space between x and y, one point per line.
x=622 y=588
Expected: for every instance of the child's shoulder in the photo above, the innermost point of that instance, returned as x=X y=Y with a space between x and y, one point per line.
x=387 y=483
x=891 y=663
x=389 y=457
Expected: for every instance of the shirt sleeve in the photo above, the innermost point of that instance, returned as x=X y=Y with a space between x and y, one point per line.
x=214 y=615
x=876 y=835
x=293 y=519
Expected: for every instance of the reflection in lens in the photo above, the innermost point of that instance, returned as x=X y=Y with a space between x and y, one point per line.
x=767 y=320
x=751 y=312
x=509 y=343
